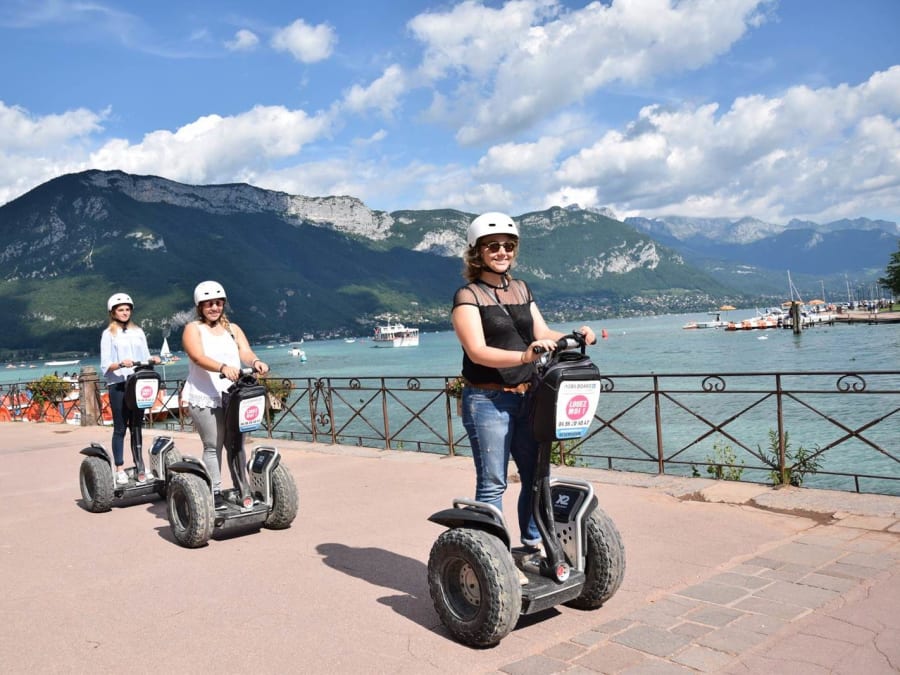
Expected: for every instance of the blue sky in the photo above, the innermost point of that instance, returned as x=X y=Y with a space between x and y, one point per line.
x=763 y=108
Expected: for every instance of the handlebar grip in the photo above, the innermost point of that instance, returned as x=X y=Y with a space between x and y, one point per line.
x=244 y=371
x=574 y=341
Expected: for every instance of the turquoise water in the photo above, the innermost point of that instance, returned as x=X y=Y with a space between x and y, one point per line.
x=638 y=345
x=659 y=345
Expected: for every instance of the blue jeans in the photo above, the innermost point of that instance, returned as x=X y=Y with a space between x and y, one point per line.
x=117 y=408
x=498 y=426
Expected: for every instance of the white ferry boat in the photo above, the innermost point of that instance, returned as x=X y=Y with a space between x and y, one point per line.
x=396 y=335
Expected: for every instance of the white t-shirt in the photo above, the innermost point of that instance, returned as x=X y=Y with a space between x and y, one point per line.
x=202 y=388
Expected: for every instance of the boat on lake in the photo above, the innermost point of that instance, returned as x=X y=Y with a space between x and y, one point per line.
x=165 y=354
x=713 y=323
x=73 y=362
x=395 y=335
x=298 y=352
x=772 y=317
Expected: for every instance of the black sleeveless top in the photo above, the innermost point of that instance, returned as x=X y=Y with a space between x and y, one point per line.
x=507 y=324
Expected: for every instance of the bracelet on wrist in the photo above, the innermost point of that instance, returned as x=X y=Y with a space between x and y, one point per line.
x=255 y=361
x=221 y=368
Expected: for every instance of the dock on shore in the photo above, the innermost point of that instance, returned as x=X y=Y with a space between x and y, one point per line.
x=857 y=316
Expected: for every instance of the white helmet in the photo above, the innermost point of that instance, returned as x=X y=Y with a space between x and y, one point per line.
x=490 y=223
x=119 y=299
x=208 y=290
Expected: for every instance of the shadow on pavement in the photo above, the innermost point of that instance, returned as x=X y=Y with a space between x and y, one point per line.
x=389 y=570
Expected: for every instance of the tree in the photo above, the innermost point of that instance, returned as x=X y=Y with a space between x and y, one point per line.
x=891 y=279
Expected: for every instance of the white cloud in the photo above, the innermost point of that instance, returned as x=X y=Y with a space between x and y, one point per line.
x=307 y=44
x=244 y=41
x=520 y=158
x=371 y=180
x=456 y=191
x=215 y=148
x=568 y=196
x=383 y=94
x=529 y=58
x=21 y=131
x=377 y=137
x=817 y=153
x=475 y=38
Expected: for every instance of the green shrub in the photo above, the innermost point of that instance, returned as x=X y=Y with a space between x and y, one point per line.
x=797 y=463
x=50 y=388
x=722 y=464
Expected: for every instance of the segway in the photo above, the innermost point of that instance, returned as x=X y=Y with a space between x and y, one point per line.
x=264 y=492
x=97 y=476
x=472 y=569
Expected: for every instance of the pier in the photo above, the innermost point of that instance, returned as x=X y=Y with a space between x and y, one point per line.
x=721 y=576
x=859 y=316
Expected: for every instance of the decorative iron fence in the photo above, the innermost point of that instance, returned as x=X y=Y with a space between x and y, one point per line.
x=834 y=429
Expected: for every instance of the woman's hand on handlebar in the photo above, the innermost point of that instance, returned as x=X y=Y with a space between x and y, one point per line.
x=260 y=366
x=536 y=348
x=589 y=336
x=230 y=373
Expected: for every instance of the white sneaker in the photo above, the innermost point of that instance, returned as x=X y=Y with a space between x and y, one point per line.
x=148 y=476
x=121 y=478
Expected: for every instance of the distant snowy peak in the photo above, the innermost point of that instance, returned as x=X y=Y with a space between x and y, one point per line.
x=683 y=228
x=744 y=230
x=847 y=224
x=344 y=214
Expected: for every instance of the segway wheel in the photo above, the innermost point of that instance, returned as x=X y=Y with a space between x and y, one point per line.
x=604 y=564
x=169 y=458
x=190 y=508
x=96 y=482
x=474 y=586
x=285 y=499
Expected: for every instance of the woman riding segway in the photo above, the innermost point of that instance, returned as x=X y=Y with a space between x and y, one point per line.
x=133 y=386
x=216 y=347
x=122 y=344
x=226 y=403
x=478 y=582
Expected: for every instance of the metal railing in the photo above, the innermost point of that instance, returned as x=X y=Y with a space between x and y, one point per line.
x=832 y=429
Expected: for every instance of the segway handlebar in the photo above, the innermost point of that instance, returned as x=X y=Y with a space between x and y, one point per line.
x=244 y=373
x=575 y=340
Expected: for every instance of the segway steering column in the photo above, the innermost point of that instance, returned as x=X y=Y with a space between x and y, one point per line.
x=554 y=565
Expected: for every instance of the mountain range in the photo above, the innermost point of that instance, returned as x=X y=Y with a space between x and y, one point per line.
x=295 y=265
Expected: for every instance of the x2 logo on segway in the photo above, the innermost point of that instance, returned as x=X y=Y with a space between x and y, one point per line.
x=566 y=501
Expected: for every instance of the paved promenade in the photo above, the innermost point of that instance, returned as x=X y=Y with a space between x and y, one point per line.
x=720 y=578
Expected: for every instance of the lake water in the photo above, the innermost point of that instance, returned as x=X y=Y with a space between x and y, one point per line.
x=638 y=345
x=658 y=345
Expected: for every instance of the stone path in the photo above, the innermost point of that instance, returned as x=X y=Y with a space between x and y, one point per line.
x=723 y=578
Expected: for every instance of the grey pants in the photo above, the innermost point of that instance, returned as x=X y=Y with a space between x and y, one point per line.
x=210 y=424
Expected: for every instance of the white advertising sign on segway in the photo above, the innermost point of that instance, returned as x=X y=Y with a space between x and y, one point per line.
x=576 y=404
x=145 y=393
x=250 y=414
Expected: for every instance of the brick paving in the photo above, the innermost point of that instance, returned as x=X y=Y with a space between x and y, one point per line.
x=720 y=578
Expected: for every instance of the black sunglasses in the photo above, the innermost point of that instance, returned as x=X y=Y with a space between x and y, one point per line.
x=494 y=246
